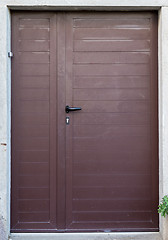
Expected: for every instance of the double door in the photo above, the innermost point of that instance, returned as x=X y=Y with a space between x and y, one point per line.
x=95 y=169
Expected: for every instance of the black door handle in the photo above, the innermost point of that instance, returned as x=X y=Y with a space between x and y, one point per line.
x=68 y=109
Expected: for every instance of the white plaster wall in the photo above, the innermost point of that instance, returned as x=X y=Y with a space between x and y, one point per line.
x=163 y=111
x=5 y=107
x=4 y=124
x=137 y=3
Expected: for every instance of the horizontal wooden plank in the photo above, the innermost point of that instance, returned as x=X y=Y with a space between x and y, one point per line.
x=111 y=205
x=111 y=216
x=115 y=34
x=113 y=15
x=34 y=94
x=111 y=69
x=110 y=94
x=112 y=45
x=33 y=193
x=102 y=165
x=131 y=226
x=34 y=69
x=32 y=226
x=34 y=22
x=110 y=57
x=112 y=118
x=122 y=22
x=34 y=34
x=32 y=156
x=29 y=130
x=34 y=57
x=116 y=82
x=33 y=181
x=23 y=143
x=33 y=118
x=114 y=156
x=34 y=45
x=34 y=82
x=113 y=160
x=112 y=82
x=103 y=180
x=33 y=205
x=109 y=131
x=34 y=217
x=115 y=193
x=34 y=106
x=26 y=168
x=117 y=142
x=113 y=106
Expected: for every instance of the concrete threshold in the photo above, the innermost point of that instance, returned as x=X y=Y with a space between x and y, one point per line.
x=86 y=236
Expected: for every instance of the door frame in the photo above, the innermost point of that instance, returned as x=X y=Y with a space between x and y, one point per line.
x=5 y=108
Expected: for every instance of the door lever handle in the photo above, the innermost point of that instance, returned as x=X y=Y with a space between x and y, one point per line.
x=68 y=109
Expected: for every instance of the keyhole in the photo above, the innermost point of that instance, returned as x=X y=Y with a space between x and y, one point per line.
x=67 y=120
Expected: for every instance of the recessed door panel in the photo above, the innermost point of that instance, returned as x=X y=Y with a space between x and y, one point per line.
x=34 y=114
x=111 y=157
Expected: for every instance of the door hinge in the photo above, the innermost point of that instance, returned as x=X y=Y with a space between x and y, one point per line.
x=10 y=54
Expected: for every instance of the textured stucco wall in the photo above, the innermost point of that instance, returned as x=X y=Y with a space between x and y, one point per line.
x=101 y=3
x=5 y=72
x=4 y=125
x=163 y=111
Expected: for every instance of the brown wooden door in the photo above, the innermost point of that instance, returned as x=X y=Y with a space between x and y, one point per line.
x=100 y=171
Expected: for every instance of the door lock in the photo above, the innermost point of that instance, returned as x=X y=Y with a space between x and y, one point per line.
x=67 y=120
